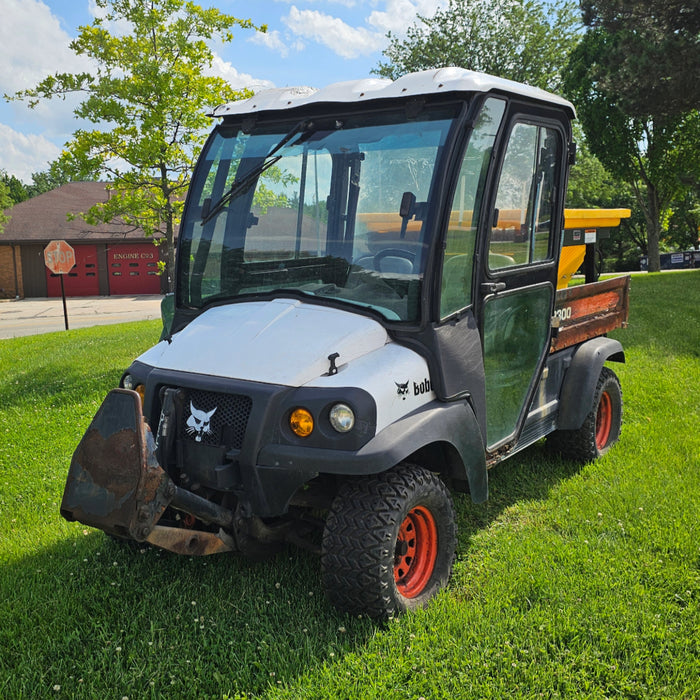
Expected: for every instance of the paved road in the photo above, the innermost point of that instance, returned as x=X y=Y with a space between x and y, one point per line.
x=33 y=316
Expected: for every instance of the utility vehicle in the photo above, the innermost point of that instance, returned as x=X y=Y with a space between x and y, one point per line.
x=366 y=313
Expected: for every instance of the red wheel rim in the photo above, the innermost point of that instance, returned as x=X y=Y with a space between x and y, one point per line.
x=416 y=552
x=603 y=421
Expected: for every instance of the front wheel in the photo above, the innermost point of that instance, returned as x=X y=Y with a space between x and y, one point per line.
x=601 y=428
x=389 y=542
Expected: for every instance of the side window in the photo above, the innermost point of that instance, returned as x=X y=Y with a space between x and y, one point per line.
x=522 y=227
x=458 y=258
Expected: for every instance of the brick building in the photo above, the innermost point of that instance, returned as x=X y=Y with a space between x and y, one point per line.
x=111 y=259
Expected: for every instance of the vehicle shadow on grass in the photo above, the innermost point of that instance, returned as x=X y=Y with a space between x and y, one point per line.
x=529 y=475
x=137 y=620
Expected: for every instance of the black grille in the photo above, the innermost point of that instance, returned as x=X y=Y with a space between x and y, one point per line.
x=211 y=418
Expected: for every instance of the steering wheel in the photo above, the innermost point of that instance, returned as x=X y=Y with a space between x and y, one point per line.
x=393 y=253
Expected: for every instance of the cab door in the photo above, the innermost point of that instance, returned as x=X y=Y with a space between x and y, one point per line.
x=517 y=272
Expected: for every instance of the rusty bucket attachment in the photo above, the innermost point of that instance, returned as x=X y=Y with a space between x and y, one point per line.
x=115 y=482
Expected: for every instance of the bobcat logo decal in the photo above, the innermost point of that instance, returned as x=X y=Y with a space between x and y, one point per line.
x=199 y=422
x=402 y=389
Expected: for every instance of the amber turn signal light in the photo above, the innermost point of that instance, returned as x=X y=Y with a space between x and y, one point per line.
x=301 y=422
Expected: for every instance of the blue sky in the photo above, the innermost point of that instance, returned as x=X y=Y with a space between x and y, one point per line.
x=309 y=42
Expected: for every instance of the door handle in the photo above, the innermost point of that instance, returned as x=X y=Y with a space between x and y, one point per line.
x=492 y=287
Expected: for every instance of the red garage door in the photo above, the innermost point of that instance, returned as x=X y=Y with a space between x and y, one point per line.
x=133 y=269
x=82 y=280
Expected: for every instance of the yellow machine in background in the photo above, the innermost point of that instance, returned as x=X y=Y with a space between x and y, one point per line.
x=580 y=228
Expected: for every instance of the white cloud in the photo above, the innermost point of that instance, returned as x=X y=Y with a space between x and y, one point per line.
x=271 y=40
x=353 y=41
x=400 y=14
x=219 y=67
x=236 y=79
x=345 y=3
x=33 y=46
x=24 y=154
x=333 y=32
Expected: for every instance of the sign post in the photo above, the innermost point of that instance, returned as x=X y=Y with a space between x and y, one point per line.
x=59 y=257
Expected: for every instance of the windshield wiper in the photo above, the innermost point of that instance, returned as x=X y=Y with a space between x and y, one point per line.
x=240 y=185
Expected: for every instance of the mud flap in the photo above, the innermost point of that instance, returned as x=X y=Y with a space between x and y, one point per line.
x=115 y=482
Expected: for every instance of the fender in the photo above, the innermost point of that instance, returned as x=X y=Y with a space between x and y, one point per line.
x=580 y=380
x=453 y=424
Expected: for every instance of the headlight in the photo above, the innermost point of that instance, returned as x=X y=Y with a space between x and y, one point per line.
x=301 y=422
x=342 y=418
x=129 y=382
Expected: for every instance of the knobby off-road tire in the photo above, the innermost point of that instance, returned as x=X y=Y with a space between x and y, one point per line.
x=602 y=427
x=389 y=542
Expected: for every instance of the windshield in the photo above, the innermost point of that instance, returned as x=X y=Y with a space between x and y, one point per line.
x=336 y=209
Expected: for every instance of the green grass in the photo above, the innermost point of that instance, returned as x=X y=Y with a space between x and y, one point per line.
x=570 y=582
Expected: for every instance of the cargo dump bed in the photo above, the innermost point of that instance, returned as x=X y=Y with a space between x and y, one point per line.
x=589 y=310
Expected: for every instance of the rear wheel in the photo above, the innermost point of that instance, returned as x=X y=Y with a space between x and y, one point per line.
x=602 y=427
x=389 y=542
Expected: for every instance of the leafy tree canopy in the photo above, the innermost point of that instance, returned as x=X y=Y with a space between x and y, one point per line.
x=14 y=188
x=523 y=40
x=5 y=203
x=590 y=184
x=653 y=61
x=148 y=95
x=658 y=154
x=54 y=176
x=684 y=222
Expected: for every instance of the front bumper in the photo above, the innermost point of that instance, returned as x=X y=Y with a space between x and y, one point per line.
x=116 y=484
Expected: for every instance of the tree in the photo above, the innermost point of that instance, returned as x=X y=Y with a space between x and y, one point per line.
x=54 y=176
x=5 y=203
x=14 y=188
x=591 y=186
x=149 y=94
x=655 y=52
x=655 y=152
x=684 y=222
x=524 y=40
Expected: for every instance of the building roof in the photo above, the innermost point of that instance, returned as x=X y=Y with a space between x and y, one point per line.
x=44 y=218
x=429 y=82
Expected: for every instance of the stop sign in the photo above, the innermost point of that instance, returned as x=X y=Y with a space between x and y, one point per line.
x=59 y=257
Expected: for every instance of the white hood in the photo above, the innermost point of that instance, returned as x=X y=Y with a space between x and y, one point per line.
x=277 y=342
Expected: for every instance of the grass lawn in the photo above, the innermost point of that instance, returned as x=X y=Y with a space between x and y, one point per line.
x=570 y=582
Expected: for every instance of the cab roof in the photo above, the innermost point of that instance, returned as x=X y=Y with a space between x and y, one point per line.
x=429 y=82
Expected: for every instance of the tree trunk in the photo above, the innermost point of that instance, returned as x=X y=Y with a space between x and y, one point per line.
x=168 y=246
x=652 y=214
x=167 y=255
